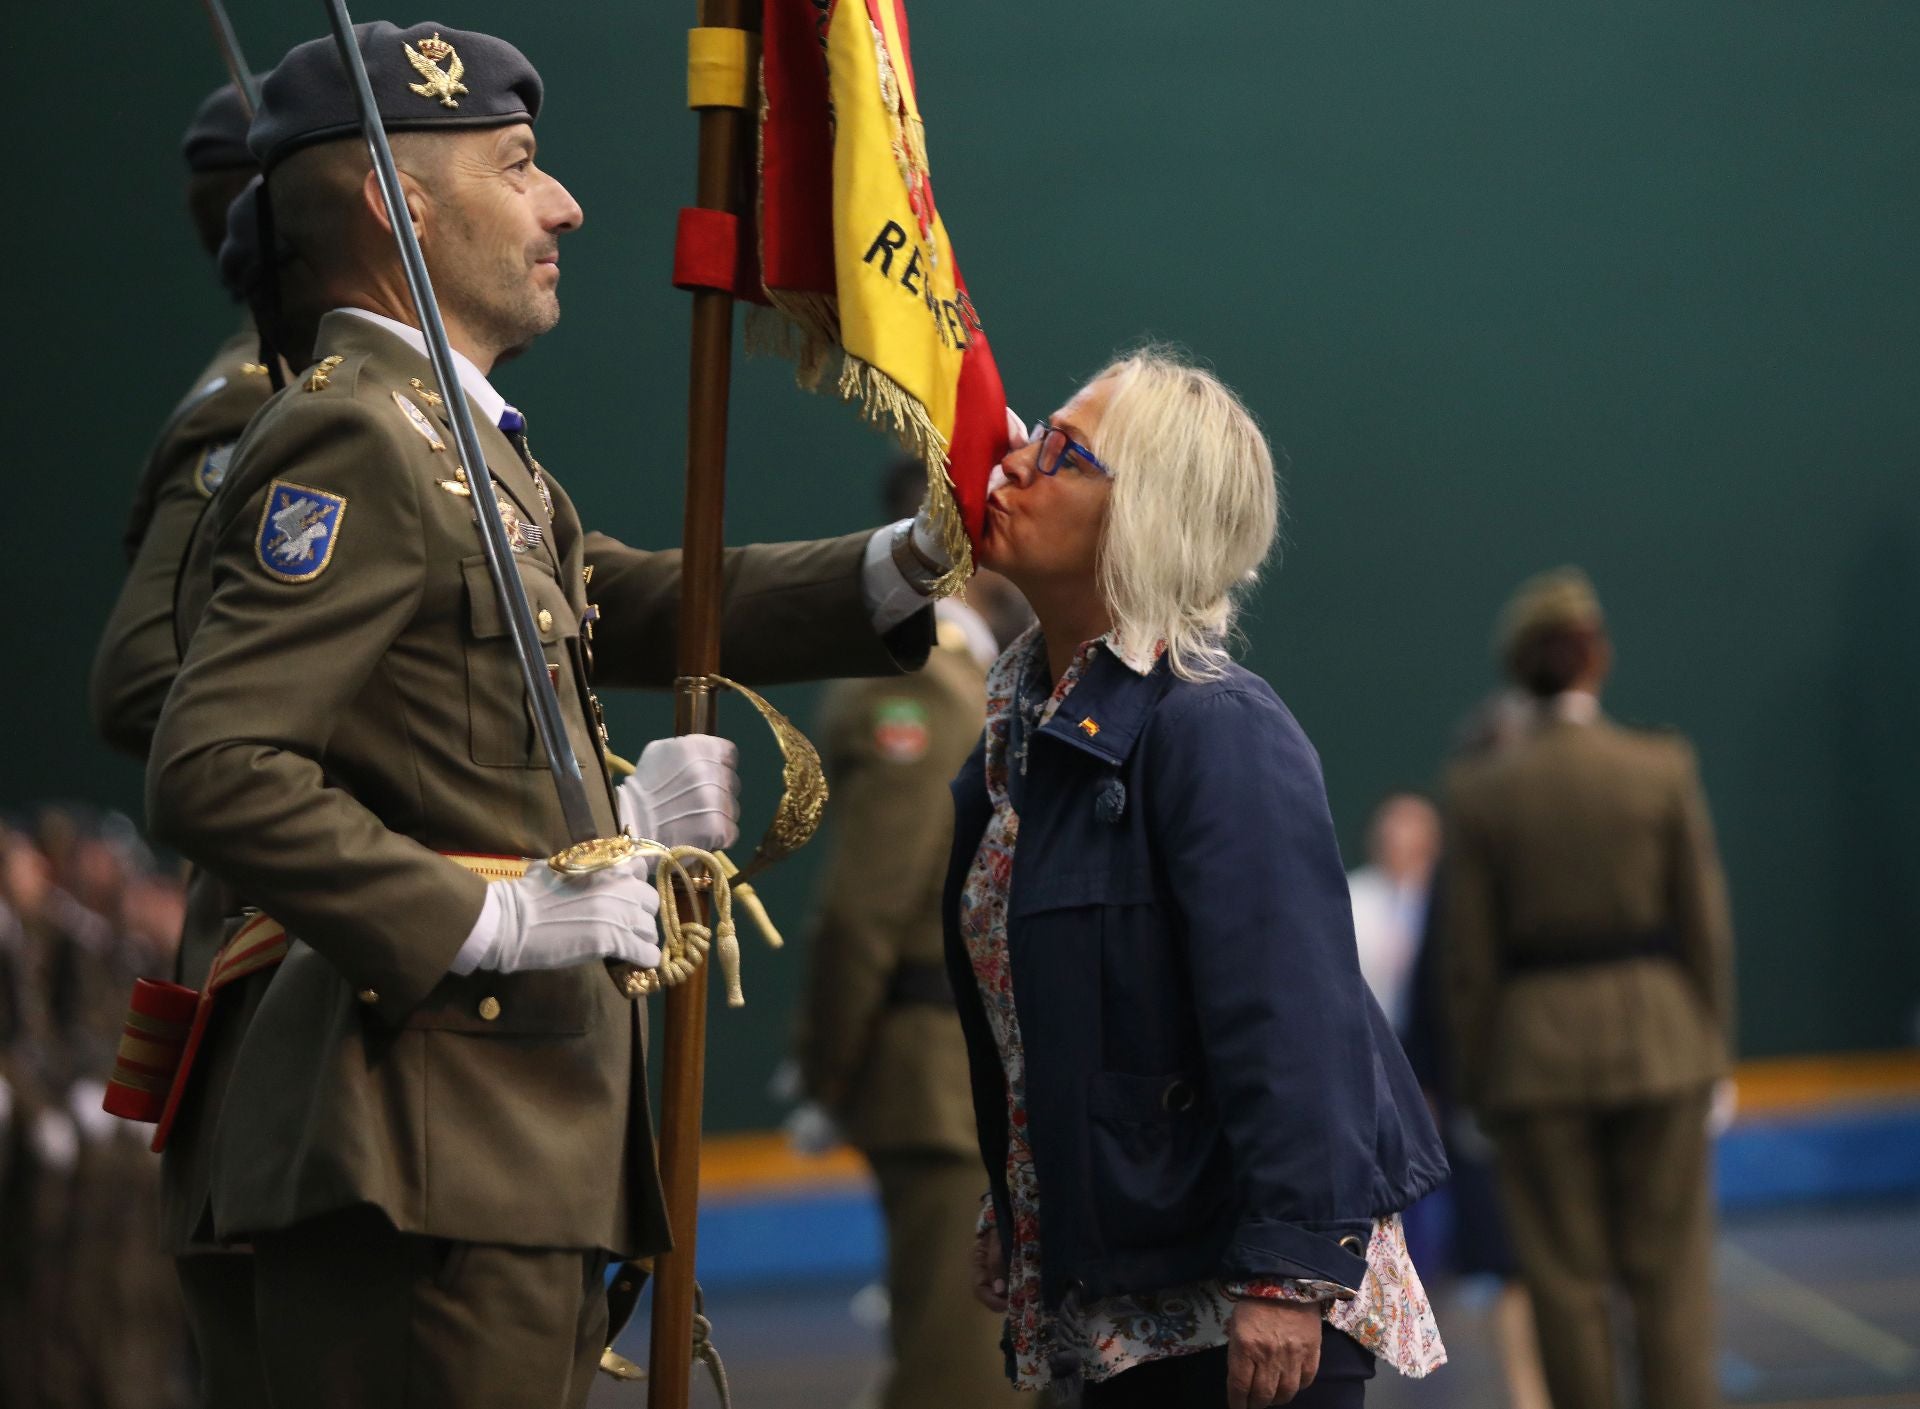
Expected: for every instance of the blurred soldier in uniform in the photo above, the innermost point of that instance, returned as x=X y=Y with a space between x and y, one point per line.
x=1589 y=960
x=136 y=659
x=139 y=654
x=429 y=1117
x=879 y=1043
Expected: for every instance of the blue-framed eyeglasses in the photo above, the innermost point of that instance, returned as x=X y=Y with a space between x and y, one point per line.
x=1056 y=445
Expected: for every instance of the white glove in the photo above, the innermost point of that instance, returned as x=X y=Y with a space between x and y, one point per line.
x=546 y=920
x=685 y=792
x=810 y=1130
x=784 y=1087
x=90 y=1117
x=55 y=1143
x=1724 y=1107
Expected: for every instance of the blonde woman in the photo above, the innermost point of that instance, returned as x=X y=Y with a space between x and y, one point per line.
x=1198 y=1128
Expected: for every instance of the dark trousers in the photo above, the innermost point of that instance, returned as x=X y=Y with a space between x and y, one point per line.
x=354 y=1315
x=1199 y=1381
x=217 y=1289
x=1616 y=1197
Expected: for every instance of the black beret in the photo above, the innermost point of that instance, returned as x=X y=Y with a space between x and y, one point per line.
x=424 y=77
x=216 y=139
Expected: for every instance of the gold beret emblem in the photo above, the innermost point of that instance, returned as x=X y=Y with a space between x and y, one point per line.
x=440 y=83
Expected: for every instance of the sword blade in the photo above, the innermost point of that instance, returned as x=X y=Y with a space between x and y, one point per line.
x=236 y=62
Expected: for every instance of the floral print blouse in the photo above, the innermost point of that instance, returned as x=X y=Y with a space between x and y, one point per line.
x=1390 y=1315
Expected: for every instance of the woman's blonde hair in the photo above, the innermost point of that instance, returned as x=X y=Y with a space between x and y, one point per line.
x=1194 y=510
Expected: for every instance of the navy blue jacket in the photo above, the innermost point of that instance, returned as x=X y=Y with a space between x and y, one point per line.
x=1211 y=1089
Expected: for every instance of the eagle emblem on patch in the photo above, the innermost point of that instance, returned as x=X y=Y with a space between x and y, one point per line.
x=298 y=528
x=211 y=472
x=441 y=83
x=418 y=420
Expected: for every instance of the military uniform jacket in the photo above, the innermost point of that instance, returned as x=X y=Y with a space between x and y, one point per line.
x=136 y=659
x=890 y=1065
x=1582 y=837
x=349 y=706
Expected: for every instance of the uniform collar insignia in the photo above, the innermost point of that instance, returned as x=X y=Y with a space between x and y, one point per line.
x=317 y=379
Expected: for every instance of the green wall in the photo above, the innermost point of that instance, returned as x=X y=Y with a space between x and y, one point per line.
x=1629 y=285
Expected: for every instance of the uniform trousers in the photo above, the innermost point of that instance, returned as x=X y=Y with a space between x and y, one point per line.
x=1199 y=1381
x=1600 y=1198
x=354 y=1315
x=946 y=1346
x=217 y=1289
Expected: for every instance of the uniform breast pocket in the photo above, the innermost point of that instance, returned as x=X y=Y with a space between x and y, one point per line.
x=499 y=715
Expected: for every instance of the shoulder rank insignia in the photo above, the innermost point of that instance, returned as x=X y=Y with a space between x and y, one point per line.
x=253 y=369
x=900 y=730
x=427 y=393
x=418 y=420
x=440 y=83
x=317 y=379
x=298 y=528
x=207 y=476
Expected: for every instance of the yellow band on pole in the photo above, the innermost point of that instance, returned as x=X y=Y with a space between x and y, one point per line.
x=720 y=64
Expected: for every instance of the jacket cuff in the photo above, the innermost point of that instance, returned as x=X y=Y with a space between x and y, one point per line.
x=1268 y=1250
x=988 y=1219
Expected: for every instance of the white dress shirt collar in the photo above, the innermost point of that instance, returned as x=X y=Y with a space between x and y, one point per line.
x=487 y=402
x=1576 y=707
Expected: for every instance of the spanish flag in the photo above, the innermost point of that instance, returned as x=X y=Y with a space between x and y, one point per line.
x=854 y=257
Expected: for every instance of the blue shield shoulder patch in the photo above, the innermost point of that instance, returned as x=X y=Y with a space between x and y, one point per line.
x=298 y=528
x=212 y=468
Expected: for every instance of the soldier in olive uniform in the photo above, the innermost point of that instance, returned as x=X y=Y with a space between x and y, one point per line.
x=136 y=658
x=139 y=654
x=430 y=1120
x=879 y=1043
x=1590 y=968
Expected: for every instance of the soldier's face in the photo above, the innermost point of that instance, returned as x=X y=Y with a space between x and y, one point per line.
x=492 y=236
x=1043 y=531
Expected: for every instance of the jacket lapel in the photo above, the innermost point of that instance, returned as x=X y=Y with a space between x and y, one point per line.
x=1105 y=712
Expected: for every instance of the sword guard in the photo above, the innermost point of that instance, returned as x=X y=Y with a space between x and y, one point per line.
x=596 y=854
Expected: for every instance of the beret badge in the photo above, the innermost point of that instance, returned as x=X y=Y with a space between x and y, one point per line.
x=441 y=83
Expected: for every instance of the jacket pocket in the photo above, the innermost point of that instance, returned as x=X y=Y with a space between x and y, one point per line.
x=539 y=1003
x=1158 y=1161
x=499 y=715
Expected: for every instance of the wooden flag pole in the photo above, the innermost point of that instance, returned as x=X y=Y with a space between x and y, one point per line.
x=723 y=169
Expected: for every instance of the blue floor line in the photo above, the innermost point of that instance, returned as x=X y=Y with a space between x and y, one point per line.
x=1829 y=1157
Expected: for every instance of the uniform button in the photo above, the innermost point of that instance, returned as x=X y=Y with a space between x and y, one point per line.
x=545 y=619
x=1351 y=1243
x=489 y=1008
x=1179 y=1096
x=368 y=996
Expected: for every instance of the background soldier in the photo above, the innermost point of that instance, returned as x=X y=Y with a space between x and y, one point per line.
x=1590 y=962
x=436 y=1132
x=136 y=659
x=879 y=1045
